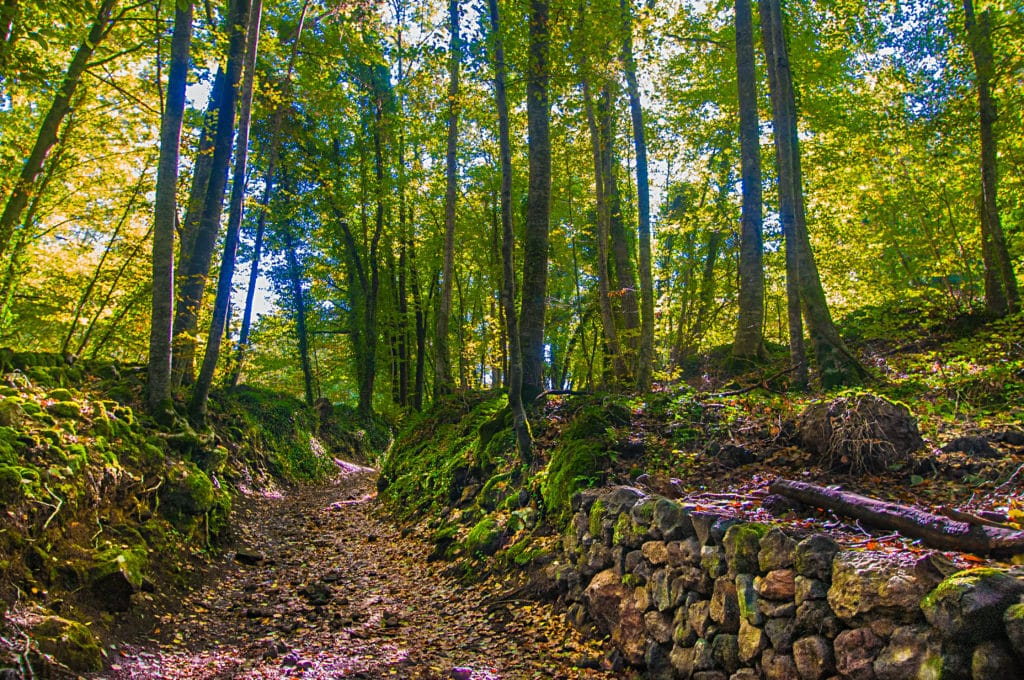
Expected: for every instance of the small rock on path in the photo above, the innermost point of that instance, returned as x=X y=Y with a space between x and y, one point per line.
x=323 y=586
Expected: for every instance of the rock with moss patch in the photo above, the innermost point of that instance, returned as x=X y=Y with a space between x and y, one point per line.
x=187 y=493
x=742 y=544
x=1013 y=617
x=117 y=574
x=865 y=585
x=484 y=538
x=70 y=643
x=65 y=409
x=11 y=413
x=969 y=605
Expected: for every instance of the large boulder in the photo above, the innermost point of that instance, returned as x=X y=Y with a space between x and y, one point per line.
x=614 y=609
x=969 y=605
x=70 y=643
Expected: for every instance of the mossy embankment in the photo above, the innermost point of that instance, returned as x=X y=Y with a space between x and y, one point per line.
x=103 y=507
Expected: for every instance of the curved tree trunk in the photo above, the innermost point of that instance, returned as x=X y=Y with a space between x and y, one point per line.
x=165 y=215
x=24 y=186
x=226 y=275
x=538 y=203
x=749 y=342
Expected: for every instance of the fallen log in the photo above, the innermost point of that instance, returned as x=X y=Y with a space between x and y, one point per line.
x=934 y=530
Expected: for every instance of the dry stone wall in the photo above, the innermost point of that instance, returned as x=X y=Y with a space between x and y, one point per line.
x=689 y=594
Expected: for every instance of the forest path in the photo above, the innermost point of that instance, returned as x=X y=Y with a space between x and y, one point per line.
x=322 y=585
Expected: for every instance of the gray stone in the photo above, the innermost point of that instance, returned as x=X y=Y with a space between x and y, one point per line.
x=752 y=641
x=598 y=558
x=742 y=542
x=813 y=557
x=777 y=666
x=774 y=610
x=777 y=551
x=725 y=607
x=660 y=588
x=620 y=499
x=725 y=650
x=693 y=578
x=809 y=589
x=813 y=657
x=969 y=605
x=672 y=520
x=747 y=599
x=659 y=626
x=712 y=560
x=855 y=652
x=781 y=633
x=658 y=663
x=745 y=674
x=908 y=651
x=1013 y=617
x=632 y=561
x=815 y=617
x=993 y=660
x=642 y=514
x=711 y=528
x=778 y=584
x=867 y=585
x=684 y=553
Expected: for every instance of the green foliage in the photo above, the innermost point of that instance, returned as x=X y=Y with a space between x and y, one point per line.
x=484 y=538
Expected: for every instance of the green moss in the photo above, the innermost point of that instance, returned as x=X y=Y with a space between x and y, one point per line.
x=65 y=409
x=31 y=408
x=61 y=394
x=575 y=464
x=522 y=553
x=10 y=484
x=71 y=643
x=495 y=490
x=1014 y=613
x=960 y=581
x=630 y=580
x=484 y=538
x=187 y=492
x=596 y=516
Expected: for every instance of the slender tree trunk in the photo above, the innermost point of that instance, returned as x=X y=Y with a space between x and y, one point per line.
x=419 y=382
x=165 y=216
x=749 y=342
x=197 y=269
x=269 y=177
x=645 y=366
x=611 y=338
x=50 y=125
x=226 y=275
x=836 y=365
x=625 y=272
x=1001 y=294
x=299 y=302
x=520 y=424
x=443 y=381
x=538 y=202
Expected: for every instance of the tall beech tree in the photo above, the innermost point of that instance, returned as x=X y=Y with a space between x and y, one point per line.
x=165 y=214
x=749 y=341
x=538 y=201
x=196 y=268
x=836 y=365
x=1001 y=294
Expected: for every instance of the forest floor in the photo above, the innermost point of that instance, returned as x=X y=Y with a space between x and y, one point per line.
x=321 y=584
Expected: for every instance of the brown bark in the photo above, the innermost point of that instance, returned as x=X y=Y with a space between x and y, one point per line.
x=935 y=530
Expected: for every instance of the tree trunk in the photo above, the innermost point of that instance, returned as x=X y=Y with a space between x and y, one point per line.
x=538 y=203
x=836 y=365
x=611 y=338
x=443 y=381
x=1001 y=294
x=269 y=176
x=419 y=381
x=520 y=424
x=226 y=275
x=197 y=268
x=749 y=342
x=50 y=125
x=165 y=215
x=299 y=301
x=645 y=364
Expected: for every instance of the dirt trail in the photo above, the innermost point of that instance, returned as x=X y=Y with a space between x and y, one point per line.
x=340 y=593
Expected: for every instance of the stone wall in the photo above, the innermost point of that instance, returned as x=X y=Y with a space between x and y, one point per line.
x=690 y=594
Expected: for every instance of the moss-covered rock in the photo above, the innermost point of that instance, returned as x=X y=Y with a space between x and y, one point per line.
x=484 y=538
x=116 y=574
x=1013 y=617
x=574 y=464
x=742 y=544
x=187 y=493
x=969 y=605
x=65 y=409
x=70 y=643
x=11 y=413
